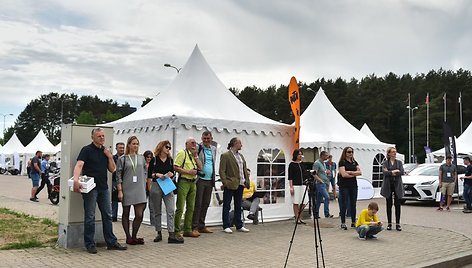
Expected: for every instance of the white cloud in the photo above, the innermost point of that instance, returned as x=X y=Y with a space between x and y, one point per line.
x=116 y=49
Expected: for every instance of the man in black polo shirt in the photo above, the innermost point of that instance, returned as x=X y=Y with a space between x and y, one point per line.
x=93 y=161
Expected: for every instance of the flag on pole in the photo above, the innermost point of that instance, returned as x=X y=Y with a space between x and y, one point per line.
x=427 y=98
x=294 y=99
x=460 y=97
x=449 y=143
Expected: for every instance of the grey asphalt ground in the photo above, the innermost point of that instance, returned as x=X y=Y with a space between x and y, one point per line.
x=429 y=239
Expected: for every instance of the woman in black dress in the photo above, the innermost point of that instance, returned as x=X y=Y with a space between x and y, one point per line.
x=347 y=182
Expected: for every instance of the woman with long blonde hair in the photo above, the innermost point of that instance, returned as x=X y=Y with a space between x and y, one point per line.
x=131 y=179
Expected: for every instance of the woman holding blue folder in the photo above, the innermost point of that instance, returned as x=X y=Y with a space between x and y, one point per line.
x=131 y=179
x=160 y=173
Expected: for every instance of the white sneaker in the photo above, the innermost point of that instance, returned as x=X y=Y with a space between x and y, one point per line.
x=228 y=230
x=243 y=229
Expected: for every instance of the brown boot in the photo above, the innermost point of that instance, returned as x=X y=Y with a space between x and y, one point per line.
x=205 y=230
x=193 y=233
x=173 y=239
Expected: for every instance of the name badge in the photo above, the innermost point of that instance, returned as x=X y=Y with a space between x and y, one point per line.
x=448 y=174
x=135 y=178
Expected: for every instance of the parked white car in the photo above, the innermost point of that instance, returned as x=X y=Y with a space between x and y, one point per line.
x=423 y=182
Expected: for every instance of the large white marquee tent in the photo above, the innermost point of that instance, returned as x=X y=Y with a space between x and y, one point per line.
x=323 y=127
x=197 y=101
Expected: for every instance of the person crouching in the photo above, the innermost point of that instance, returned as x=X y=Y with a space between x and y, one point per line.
x=368 y=224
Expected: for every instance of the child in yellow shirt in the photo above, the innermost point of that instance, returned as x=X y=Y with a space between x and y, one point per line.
x=368 y=224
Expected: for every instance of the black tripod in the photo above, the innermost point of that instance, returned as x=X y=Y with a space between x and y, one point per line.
x=316 y=225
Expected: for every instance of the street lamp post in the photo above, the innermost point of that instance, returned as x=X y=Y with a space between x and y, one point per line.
x=413 y=133
x=171 y=66
x=3 y=133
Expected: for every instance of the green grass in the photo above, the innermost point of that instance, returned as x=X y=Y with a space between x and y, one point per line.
x=19 y=230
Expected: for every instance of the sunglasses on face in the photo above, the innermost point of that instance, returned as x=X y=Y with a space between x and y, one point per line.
x=349 y=152
x=168 y=147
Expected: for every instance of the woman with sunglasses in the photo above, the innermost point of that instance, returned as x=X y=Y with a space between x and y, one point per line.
x=162 y=168
x=131 y=179
x=347 y=182
x=392 y=186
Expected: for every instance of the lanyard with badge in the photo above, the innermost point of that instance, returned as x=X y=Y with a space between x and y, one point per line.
x=133 y=165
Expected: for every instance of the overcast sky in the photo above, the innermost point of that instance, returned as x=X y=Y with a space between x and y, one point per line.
x=117 y=49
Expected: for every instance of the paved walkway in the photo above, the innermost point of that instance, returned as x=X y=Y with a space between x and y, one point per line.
x=266 y=245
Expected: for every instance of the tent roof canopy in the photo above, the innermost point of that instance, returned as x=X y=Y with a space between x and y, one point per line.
x=366 y=131
x=13 y=145
x=322 y=125
x=197 y=98
x=40 y=143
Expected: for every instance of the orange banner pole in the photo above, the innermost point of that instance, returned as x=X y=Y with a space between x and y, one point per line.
x=294 y=99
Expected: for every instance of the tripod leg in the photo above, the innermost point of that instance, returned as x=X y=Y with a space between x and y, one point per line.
x=295 y=228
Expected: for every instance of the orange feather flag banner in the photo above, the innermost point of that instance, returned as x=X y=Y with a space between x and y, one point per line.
x=294 y=99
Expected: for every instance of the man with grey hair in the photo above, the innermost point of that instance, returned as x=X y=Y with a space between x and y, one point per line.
x=93 y=161
x=187 y=164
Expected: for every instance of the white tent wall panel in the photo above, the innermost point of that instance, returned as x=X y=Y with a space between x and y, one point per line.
x=252 y=144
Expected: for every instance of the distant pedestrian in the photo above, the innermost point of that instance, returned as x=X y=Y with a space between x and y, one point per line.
x=44 y=176
x=348 y=171
x=447 y=181
x=131 y=184
x=467 y=185
x=368 y=224
x=392 y=186
x=35 y=174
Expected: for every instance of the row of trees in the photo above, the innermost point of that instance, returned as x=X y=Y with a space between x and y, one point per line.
x=47 y=112
x=378 y=101
x=381 y=103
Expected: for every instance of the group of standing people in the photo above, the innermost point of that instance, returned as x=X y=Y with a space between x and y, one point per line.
x=323 y=175
x=137 y=177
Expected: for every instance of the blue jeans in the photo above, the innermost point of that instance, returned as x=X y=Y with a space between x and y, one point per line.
x=228 y=195
x=91 y=199
x=368 y=231
x=321 y=192
x=35 y=179
x=468 y=195
x=348 y=194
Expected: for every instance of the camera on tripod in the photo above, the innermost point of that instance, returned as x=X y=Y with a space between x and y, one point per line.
x=309 y=176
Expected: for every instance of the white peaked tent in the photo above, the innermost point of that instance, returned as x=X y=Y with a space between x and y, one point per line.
x=365 y=129
x=463 y=143
x=197 y=101
x=13 y=145
x=40 y=143
x=323 y=127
